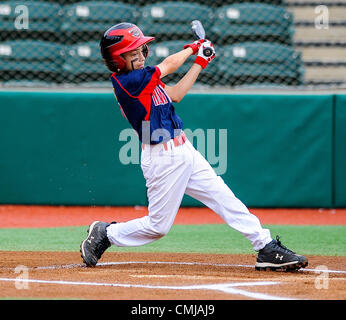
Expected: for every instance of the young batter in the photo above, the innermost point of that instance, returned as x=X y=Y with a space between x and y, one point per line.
x=171 y=166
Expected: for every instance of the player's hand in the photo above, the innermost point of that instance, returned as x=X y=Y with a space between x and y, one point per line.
x=206 y=53
x=194 y=45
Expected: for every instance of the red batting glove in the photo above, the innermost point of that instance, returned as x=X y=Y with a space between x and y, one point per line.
x=201 y=59
x=194 y=45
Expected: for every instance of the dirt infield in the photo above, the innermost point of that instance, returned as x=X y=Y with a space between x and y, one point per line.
x=163 y=276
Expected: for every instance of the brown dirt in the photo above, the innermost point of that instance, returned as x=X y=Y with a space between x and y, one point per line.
x=127 y=277
x=132 y=280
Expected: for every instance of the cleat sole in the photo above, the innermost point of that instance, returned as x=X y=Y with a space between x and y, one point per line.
x=287 y=268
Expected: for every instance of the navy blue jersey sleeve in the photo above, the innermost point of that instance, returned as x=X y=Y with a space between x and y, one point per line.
x=135 y=82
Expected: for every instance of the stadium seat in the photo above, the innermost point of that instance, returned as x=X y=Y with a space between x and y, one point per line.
x=83 y=60
x=30 y=58
x=95 y=16
x=259 y=62
x=170 y=20
x=253 y=22
x=30 y=16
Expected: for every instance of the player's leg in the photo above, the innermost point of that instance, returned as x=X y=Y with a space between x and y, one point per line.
x=167 y=174
x=205 y=186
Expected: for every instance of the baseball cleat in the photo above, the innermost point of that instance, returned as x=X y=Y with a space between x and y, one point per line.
x=95 y=244
x=276 y=257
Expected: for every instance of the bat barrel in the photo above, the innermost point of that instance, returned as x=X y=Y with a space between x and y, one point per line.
x=198 y=29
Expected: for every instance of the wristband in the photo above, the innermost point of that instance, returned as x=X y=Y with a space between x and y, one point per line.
x=202 y=62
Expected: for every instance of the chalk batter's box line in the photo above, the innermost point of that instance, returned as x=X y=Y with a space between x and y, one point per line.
x=79 y=265
x=230 y=288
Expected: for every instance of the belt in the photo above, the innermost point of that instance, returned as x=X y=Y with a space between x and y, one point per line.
x=177 y=141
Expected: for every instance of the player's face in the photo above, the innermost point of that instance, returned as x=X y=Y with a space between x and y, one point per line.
x=134 y=59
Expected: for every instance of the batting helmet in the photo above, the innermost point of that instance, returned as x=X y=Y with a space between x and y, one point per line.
x=121 y=38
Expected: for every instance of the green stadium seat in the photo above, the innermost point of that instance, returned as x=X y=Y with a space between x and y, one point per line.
x=166 y=20
x=256 y=62
x=253 y=22
x=96 y=16
x=24 y=58
x=83 y=60
x=42 y=16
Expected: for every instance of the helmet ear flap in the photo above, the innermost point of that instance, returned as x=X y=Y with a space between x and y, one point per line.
x=114 y=64
x=120 y=62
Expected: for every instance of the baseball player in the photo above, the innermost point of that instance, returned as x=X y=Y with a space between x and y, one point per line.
x=171 y=166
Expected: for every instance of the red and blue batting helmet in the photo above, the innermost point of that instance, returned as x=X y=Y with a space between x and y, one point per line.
x=121 y=38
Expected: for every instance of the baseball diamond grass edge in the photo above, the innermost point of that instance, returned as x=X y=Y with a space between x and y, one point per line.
x=218 y=239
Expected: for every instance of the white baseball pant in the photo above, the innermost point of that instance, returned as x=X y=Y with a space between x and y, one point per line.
x=170 y=172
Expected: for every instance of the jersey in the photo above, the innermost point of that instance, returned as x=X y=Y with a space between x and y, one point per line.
x=145 y=104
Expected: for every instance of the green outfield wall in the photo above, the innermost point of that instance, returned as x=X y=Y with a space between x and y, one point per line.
x=74 y=148
x=339 y=156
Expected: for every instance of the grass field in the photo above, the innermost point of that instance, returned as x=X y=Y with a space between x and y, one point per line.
x=211 y=238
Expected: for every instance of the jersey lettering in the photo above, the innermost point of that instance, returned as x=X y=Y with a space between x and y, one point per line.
x=159 y=97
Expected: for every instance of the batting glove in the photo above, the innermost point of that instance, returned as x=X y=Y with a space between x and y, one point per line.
x=194 y=45
x=206 y=53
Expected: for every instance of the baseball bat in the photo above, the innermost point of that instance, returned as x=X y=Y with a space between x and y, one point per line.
x=199 y=33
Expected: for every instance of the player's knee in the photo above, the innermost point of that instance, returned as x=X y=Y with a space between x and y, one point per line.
x=156 y=227
x=160 y=231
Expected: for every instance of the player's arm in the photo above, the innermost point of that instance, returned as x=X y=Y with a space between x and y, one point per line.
x=173 y=62
x=179 y=90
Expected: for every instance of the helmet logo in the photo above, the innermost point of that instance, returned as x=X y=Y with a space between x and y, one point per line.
x=135 y=32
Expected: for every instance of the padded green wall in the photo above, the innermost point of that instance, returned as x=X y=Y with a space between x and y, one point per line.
x=340 y=151
x=63 y=148
x=279 y=146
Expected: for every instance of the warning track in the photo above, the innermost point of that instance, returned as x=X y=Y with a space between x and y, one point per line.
x=21 y=216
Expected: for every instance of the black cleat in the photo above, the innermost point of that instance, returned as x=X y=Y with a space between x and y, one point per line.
x=95 y=244
x=276 y=257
